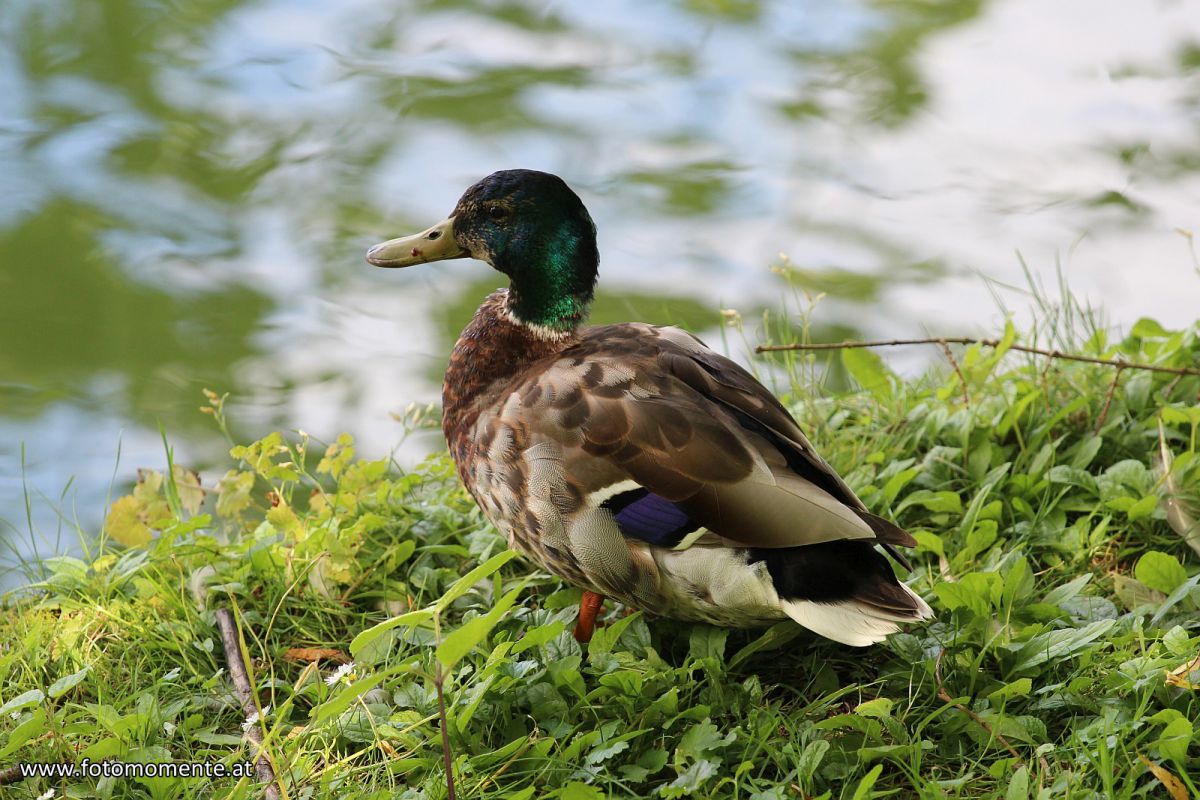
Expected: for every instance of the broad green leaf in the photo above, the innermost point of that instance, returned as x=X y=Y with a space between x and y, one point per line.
x=1142 y=508
x=67 y=682
x=608 y=748
x=1177 y=641
x=458 y=643
x=773 y=638
x=1061 y=594
x=605 y=639
x=535 y=637
x=879 y=707
x=1086 y=451
x=897 y=482
x=576 y=790
x=363 y=640
x=1147 y=328
x=1057 y=645
x=1174 y=740
x=1173 y=415
x=981 y=537
x=464 y=584
x=690 y=780
x=945 y=501
x=1183 y=590
x=973 y=590
x=867 y=783
x=1072 y=476
x=23 y=700
x=707 y=641
x=811 y=758
x=930 y=541
x=653 y=759
x=1160 y=571
x=702 y=739
x=869 y=371
x=1018 y=785
x=34 y=726
x=1021 y=687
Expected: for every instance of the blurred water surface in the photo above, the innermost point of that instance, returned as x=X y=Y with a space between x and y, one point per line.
x=189 y=187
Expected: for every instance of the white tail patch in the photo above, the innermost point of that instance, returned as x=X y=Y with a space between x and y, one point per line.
x=852 y=622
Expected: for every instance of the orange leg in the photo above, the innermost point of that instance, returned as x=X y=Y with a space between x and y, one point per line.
x=589 y=609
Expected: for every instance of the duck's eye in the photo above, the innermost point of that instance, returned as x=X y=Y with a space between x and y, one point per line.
x=497 y=213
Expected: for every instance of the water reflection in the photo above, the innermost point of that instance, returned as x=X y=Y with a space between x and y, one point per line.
x=189 y=188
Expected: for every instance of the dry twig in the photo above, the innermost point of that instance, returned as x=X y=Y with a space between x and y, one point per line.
x=850 y=345
x=945 y=697
x=439 y=680
x=1112 y=388
x=236 y=661
x=957 y=370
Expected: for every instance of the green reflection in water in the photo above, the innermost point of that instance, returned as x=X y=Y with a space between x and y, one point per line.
x=880 y=72
x=697 y=188
x=862 y=287
x=70 y=314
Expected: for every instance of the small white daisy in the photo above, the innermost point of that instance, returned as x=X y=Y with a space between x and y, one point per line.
x=339 y=673
x=46 y=795
x=254 y=717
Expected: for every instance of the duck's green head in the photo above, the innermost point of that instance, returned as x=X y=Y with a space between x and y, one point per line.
x=527 y=224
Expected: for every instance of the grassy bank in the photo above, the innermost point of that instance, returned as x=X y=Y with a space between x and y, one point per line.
x=1061 y=663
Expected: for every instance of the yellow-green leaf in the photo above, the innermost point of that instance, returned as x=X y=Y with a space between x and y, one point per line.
x=187 y=484
x=124 y=523
x=233 y=492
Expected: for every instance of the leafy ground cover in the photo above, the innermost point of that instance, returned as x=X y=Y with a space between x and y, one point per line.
x=1054 y=503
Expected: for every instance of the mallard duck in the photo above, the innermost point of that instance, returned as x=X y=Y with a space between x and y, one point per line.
x=631 y=460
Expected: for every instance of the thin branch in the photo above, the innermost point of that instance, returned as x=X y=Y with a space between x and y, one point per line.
x=1122 y=364
x=447 y=758
x=1045 y=386
x=439 y=679
x=236 y=660
x=1112 y=388
x=945 y=697
x=957 y=370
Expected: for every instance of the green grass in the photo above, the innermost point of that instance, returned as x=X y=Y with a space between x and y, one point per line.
x=1064 y=594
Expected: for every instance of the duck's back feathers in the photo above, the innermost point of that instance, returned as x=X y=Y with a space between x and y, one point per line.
x=697 y=432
